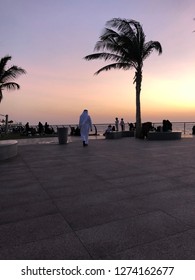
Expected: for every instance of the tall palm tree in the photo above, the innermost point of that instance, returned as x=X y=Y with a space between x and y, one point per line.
x=7 y=75
x=123 y=43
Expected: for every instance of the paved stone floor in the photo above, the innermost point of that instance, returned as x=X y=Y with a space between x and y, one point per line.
x=115 y=199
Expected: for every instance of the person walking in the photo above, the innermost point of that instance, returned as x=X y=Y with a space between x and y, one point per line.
x=85 y=124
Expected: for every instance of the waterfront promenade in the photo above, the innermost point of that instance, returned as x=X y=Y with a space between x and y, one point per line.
x=115 y=199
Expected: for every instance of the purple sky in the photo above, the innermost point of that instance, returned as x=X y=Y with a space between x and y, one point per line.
x=50 y=38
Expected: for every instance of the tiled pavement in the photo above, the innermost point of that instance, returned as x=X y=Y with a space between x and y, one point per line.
x=115 y=199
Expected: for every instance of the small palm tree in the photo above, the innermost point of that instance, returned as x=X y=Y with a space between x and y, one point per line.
x=123 y=43
x=7 y=75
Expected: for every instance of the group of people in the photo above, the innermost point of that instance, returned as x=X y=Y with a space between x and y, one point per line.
x=121 y=123
x=115 y=127
x=85 y=125
x=41 y=129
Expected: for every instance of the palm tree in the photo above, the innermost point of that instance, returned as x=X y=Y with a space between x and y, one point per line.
x=123 y=43
x=6 y=76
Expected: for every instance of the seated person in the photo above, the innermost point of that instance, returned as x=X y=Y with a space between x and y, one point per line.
x=77 y=131
x=72 y=130
x=167 y=125
x=108 y=130
x=131 y=127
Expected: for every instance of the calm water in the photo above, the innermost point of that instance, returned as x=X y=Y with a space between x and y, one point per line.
x=184 y=127
x=177 y=126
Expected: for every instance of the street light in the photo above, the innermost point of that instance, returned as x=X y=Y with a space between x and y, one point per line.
x=6 y=122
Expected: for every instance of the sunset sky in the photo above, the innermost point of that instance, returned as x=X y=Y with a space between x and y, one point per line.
x=50 y=38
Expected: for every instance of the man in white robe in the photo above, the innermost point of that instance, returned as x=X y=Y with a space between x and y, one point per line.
x=85 y=124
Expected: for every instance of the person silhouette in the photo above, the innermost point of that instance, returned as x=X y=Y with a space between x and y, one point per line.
x=85 y=124
x=122 y=124
x=116 y=123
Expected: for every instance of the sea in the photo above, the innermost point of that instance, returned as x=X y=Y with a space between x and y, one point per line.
x=99 y=129
x=184 y=127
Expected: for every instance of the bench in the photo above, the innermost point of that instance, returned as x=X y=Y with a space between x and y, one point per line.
x=128 y=133
x=119 y=134
x=113 y=135
x=8 y=149
x=153 y=135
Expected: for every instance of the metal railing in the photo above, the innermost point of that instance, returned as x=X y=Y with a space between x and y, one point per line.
x=184 y=127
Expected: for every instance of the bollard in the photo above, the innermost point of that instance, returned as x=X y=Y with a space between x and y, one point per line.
x=62 y=135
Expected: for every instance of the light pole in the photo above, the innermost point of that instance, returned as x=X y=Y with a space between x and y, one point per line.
x=6 y=123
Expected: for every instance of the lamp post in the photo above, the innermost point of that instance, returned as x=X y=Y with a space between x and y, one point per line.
x=6 y=123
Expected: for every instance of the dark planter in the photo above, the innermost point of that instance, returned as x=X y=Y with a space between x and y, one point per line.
x=62 y=135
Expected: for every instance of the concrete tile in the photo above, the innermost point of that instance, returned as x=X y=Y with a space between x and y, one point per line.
x=12 y=183
x=168 y=199
x=167 y=170
x=180 y=246
x=116 y=195
x=184 y=212
x=17 y=174
x=23 y=194
x=91 y=214
x=56 y=175
x=109 y=171
x=122 y=234
x=140 y=181
x=26 y=210
x=69 y=188
x=90 y=198
x=62 y=247
x=32 y=230
x=187 y=179
x=10 y=163
x=149 y=186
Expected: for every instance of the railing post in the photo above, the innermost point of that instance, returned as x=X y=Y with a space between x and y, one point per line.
x=6 y=124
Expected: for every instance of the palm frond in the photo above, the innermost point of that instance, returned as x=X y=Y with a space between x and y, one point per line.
x=122 y=25
x=111 y=41
x=105 y=56
x=109 y=45
x=117 y=44
x=10 y=86
x=7 y=75
x=3 y=63
x=12 y=73
x=151 y=46
x=123 y=41
x=130 y=28
x=108 y=34
x=131 y=36
x=124 y=66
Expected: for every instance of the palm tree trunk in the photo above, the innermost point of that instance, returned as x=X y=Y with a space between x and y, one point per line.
x=138 y=105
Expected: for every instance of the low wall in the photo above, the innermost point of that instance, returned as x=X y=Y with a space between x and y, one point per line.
x=153 y=135
x=8 y=149
x=128 y=133
x=113 y=135
x=119 y=134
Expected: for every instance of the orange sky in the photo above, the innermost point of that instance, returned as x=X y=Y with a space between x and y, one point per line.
x=60 y=84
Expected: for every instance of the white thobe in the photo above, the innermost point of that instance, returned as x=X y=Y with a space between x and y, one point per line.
x=85 y=124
